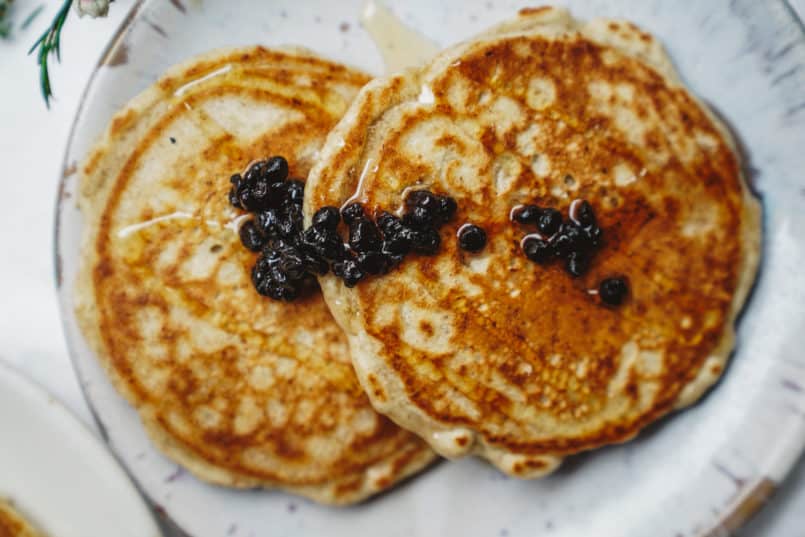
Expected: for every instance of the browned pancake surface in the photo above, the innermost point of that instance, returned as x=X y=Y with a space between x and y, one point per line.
x=491 y=353
x=12 y=524
x=243 y=390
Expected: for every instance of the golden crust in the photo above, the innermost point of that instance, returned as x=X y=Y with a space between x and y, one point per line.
x=489 y=353
x=241 y=390
x=12 y=523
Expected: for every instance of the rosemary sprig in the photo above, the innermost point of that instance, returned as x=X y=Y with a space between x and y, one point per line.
x=30 y=18
x=48 y=43
x=5 y=25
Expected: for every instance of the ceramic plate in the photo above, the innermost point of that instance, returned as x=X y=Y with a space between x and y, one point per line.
x=57 y=474
x=699 y=473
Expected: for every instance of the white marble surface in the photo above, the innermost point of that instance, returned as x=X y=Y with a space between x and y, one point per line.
x=32 y=140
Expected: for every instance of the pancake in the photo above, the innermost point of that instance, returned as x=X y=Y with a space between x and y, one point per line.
x=241 y=390
x=490 y=353
x=12 y=524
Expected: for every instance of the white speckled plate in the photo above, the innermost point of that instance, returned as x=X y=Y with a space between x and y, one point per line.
x=57 y=474
x=700 y=473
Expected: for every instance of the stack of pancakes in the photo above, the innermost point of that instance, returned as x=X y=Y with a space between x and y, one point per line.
x=341 y=394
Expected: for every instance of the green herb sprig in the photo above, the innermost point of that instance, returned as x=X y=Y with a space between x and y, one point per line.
x=32 y=17
x=5 y=25
x=48 y=43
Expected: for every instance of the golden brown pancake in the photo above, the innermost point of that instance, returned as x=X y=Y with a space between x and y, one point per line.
x=489 y=353
x=242 y=390
x=12 y=523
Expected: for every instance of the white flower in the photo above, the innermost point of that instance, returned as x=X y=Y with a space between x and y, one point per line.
x=93 y=8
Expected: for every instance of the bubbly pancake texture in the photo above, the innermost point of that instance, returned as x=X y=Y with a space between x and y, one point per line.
x=12 y=524
x=242 y=390
x=490 y=353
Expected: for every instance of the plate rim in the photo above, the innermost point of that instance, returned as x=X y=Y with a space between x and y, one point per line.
x=27 y=388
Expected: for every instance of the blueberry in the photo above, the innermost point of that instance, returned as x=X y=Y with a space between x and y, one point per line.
x=315 y=263
x=250 y=236
x=364 y=236
x=254 y=172
x=338 y=268
x=326 y=218
x=271 y=255
x=573 y=240
x=275 y=248
x=419 y=218
x=293 y=266
x=261 y=194
x=426 y=241
x=268 y=222
x=570 y=239
x=260 y=270
x=372 y=262
x=313 y=237
x=285 y=270
x=236 y=180
x=613 y=291
x=278 y=192
x=289 y=246
x=285 y=292
x=277 y=275
x=322 y=243
x=275 y=169
x=393 y=259
x=583 y=213
x=471 y=238
x=263 y=286
x=423 y=198
x=267 y=284
x=398 y=242
x=352 y=212
x=253 y=196
x=292 y=255
x=246 y=198
x=290 y=221
x=577 y=264
x=562 y=245
x=424 y=208
x=349 y=272
x=447 y=208
x=537 y=249
x=388 y=223
x=593 y=235
x=233 y=198
x=270 y=289
x=548 y=221
x=527 y=214
x=295 y=191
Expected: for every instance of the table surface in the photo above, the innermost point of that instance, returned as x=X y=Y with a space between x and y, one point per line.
x=32 y=141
